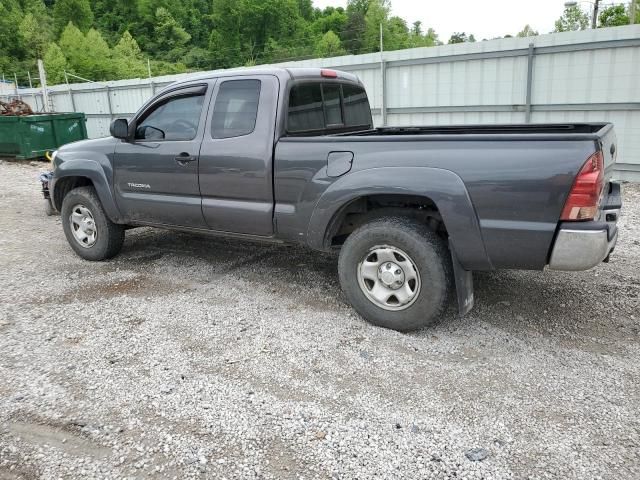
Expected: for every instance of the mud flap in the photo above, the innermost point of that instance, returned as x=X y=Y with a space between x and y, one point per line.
x=464 y=284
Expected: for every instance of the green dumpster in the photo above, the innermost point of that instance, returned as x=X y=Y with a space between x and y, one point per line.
x=30 y=136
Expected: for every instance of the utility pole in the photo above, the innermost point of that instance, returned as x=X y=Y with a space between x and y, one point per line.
x=15 y=79
x=383 y=75
x=632 y=12
x=594 y=18
x=43 y=83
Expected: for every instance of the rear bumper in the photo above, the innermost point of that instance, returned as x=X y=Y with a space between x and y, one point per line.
x=583 y=245
x=581 y=249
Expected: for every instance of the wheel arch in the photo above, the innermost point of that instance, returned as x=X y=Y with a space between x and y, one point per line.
x=441 y=190
x=78 y=173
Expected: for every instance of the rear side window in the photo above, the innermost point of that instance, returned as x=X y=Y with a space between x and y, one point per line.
x=332 y=107
x=236 y=108
x=326 y=106
x=356 y=106
x=305 y=108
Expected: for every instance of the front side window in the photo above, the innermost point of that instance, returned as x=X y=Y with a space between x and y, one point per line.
x=236 y=108
x=175 y=119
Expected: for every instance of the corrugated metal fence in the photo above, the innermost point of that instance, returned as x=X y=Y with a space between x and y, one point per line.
x=593 y=75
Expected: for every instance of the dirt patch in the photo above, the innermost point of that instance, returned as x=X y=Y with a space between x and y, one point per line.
x=37 y=436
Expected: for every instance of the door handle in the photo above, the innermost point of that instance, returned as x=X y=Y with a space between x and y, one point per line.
x=184 y=158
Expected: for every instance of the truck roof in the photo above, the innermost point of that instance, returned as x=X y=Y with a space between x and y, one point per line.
x=284 y=73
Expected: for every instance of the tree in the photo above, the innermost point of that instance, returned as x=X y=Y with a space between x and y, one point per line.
x=613 y=16
x=88 y=56
x=461 y=37
x=168 y=32
x=329 y=46
x=417 y=28
x=377 y=14
x=527 y=31
x=329 y=19
x=244 y=30
x=10 y=16
x=55 y=63
x=114 y=17
x=352 y=36
x=573 y=18
x=34 y=37
x=76 y=11
x=128 y=57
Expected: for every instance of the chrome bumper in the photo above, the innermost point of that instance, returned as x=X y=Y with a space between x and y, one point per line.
x=581 y=249
x=583 y=245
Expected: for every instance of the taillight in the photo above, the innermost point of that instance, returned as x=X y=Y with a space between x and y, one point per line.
x=584 y=197
x=328 y=73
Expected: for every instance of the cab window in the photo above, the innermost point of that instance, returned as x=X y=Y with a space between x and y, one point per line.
x=318 y=107
x=177 y=118
x=236 y=108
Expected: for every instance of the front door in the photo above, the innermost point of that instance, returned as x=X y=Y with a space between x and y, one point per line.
x=156 y=172
x=236 y=168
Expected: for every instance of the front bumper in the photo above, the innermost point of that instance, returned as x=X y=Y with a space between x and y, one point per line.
x=45 y=181
x=583 y=245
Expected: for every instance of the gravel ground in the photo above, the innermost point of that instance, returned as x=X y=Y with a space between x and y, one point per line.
x=195 y=357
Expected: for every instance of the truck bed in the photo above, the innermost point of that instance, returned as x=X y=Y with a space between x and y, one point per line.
x=516 y=177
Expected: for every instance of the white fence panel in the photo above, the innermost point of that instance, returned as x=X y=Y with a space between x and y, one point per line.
x=591 y=76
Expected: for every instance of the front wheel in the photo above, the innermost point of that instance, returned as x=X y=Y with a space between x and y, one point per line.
x=396 y=273
x=88 y=229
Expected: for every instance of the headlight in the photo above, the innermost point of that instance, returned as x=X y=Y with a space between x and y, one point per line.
x=53 y=156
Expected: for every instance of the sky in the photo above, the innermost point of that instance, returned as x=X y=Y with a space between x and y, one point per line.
x=484 y=18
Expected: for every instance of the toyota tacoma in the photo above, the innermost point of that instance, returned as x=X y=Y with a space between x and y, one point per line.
x=291 y=155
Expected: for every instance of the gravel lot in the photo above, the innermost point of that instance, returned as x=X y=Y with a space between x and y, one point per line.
x=197 y=357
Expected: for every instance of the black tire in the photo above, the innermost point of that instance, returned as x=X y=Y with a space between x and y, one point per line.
x=109 y=237
x=429 y=255
x=48 y=208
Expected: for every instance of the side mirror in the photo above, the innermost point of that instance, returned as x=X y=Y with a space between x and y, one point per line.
x=119 y=128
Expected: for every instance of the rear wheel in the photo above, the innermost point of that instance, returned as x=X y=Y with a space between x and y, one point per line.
x=396 y=273
x=88 y=229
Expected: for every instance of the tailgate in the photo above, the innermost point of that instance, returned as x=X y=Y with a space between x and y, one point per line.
x=609 y=145
x=611 y=201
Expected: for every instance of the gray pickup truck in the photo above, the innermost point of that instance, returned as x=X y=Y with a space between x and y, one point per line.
x=291 y=155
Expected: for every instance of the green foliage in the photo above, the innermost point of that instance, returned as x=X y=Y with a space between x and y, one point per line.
x=114 y=17
x=76 y=11
x=329 y=46
x=55 y=64
x=353 y=34
x=128 y=57
x=615 y=16
x=461 y=37
x=171 y=38
x=10 y=16
x=527 y=31
x=34 y=37
x=377 y=14
x=244 y=30
x=111 y=39
x=573 y=18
